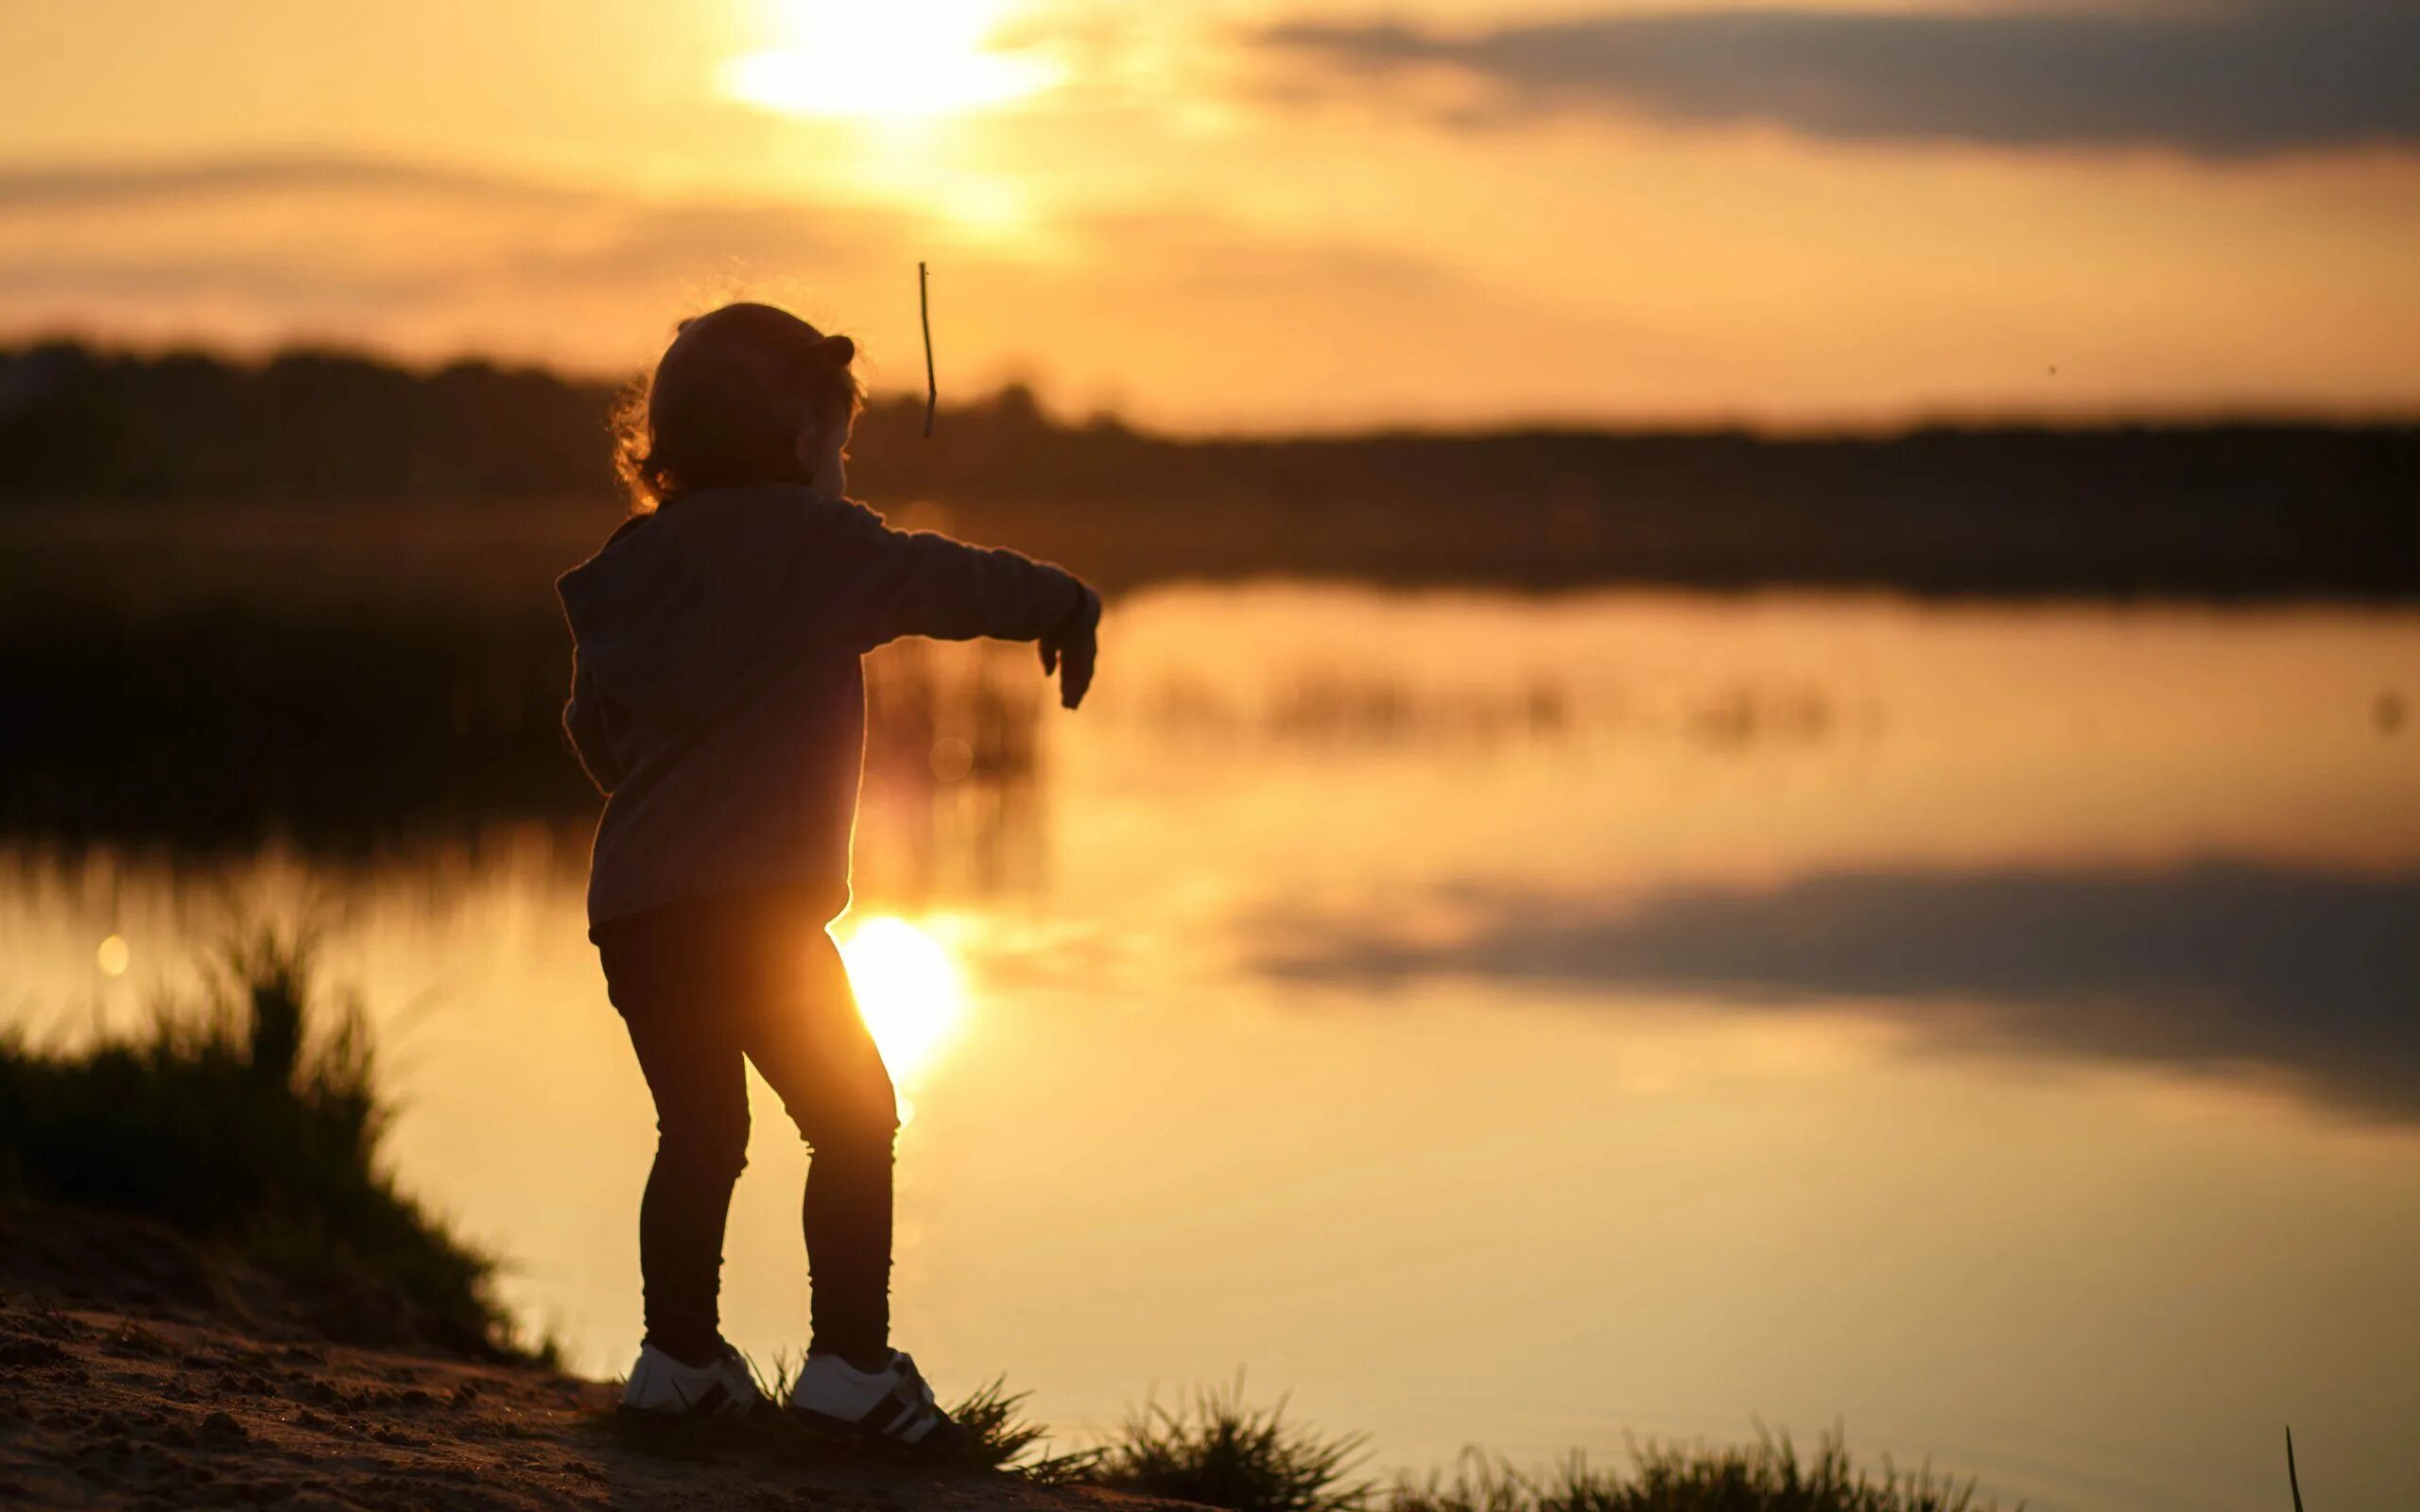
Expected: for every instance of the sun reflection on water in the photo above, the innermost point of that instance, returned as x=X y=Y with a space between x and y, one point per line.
x=909 y=988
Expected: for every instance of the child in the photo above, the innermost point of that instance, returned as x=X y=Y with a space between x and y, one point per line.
x=718 y=702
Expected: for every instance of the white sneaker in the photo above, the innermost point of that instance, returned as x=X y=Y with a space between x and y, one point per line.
x=890 y=1405
x=721 y=1387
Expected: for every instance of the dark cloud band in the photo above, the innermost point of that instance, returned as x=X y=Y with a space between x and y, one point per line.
x=2214 y=80
x=53 y=186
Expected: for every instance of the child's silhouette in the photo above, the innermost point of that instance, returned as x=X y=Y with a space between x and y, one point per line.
x=717 y=700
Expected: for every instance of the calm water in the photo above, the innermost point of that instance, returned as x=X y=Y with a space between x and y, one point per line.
x=1522 y=1022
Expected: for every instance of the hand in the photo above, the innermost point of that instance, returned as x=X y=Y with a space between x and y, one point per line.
x=1071 y=649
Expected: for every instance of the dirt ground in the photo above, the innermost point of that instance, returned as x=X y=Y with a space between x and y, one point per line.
x=190 y=1400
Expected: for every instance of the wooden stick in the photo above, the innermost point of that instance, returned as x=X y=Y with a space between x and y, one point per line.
x=925 y=308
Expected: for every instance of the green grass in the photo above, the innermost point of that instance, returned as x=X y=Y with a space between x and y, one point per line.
x=250 y=1119
x=1006 y=1439
x=1766 y=1476
x=1216 y=1449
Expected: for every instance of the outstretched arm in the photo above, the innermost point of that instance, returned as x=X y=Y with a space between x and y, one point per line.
x=917 y=582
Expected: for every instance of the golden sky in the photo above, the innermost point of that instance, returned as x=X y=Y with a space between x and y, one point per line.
x=1274 y=214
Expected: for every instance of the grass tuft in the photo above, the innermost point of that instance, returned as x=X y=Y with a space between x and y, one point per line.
x=1006 y=1439
x=1766 y=1476
x=250 y=1119
x=1217 y=1451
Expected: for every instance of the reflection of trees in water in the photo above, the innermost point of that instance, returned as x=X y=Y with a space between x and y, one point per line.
x=227 y=723
x=221 y=724
x=1348 y=708
x=1746 y=716
x=950 y=803
x=1370 y=709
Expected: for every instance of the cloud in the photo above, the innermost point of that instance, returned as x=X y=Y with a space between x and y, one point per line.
x=64 y=187
x=2313 y=975
x=255 y=282
x=427 y=261
x=2217 y=81
x=413 y=254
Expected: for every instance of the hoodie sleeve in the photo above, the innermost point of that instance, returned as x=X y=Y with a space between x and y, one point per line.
x=917 y=582
x=584 y=726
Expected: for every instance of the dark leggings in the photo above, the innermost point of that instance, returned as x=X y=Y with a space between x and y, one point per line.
x=702 y=987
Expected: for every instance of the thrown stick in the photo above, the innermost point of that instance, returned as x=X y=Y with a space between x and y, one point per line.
x=925 y=309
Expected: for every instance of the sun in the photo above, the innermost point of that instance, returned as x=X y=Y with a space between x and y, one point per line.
x=909 y=989
x=886 y=60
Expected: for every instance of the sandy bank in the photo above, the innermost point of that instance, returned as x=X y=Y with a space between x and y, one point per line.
x=136 y=1372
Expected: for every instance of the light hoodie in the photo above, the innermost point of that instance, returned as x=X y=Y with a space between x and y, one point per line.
x=718 y=699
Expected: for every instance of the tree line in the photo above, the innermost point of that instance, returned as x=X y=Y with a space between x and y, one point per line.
x=2220 y=508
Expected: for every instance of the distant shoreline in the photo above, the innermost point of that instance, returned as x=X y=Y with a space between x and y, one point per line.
x=2224 y=510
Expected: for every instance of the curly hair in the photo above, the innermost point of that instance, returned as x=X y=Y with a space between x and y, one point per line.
x=726 y=402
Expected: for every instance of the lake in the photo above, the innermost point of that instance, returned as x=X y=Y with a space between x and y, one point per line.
x=1526 y=1022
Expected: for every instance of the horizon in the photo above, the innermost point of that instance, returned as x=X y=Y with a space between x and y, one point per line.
x=1056 y=413
x=1226 y=218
